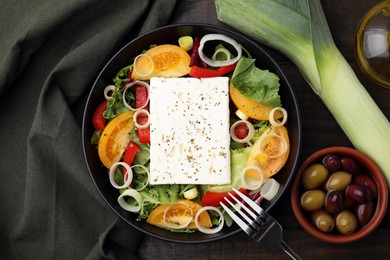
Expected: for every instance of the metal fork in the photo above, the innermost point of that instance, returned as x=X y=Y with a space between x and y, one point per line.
x=258 y=224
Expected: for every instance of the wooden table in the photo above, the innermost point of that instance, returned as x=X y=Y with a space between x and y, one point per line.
x=319 y=130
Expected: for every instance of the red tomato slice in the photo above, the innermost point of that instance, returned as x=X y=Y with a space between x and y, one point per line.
x=98 y=121
x=141 y=97
x=241 y=130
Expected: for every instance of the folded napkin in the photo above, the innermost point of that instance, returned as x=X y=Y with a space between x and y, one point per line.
x=50 y=53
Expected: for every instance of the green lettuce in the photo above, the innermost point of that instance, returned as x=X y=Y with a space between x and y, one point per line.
x=122 y=77
x=115 y=105
x=256 y=84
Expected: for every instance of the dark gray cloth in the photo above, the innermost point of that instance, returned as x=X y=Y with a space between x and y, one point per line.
x=50 y=53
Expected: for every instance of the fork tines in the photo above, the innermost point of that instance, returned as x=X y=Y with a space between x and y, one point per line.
x=256 y=222
x=258 y=215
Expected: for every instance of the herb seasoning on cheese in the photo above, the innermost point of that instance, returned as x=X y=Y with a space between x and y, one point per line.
x=190 y=137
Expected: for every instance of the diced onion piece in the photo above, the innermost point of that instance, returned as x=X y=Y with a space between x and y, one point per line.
x=129 y=175
x=272 y=119
x=241 y=115
x=281 y=151
x=215 y=63
x=255 y=195
x=147 y=173
x=107 y=90
x=191 y=193
x=270 y=189
x=135 y=116
x=209 y=230
x=179 y=225
x=186 y=42
x=127 y=86
x=250 y=135
x=135 y=65
x=221 y=50
x=252 y=183
x=135 y=195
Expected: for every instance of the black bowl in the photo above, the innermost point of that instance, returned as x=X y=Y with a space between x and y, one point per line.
x=122 y=58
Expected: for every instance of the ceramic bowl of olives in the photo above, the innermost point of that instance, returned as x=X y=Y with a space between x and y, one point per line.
x=339 y=195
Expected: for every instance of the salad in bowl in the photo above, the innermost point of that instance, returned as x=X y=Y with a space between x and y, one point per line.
x=181 y=123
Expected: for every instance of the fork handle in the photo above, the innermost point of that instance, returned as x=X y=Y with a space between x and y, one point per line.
x=289 y=251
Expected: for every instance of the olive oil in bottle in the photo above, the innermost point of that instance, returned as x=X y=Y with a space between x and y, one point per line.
x=373 y=44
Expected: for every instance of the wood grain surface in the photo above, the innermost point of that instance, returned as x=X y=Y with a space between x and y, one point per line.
x=320 y=130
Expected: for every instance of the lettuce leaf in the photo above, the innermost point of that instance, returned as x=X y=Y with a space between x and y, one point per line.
x=115 y=105
x=256 y=84
x=122 y=76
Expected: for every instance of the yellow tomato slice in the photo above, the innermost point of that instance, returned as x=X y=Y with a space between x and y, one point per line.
x=266 y=149
x=179 y=213
x=251 y=108
x=115 y=138
x=169 y=61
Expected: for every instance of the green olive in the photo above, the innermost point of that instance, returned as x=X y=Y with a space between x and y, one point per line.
x=338 y=181
x=323 y=220
x=313 y=200
x=346 y=222
x=314 y=176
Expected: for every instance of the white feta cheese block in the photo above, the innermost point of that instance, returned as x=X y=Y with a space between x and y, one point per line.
x=189 y=131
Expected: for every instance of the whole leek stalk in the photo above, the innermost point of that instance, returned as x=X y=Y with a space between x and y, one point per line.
x=299 y=30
